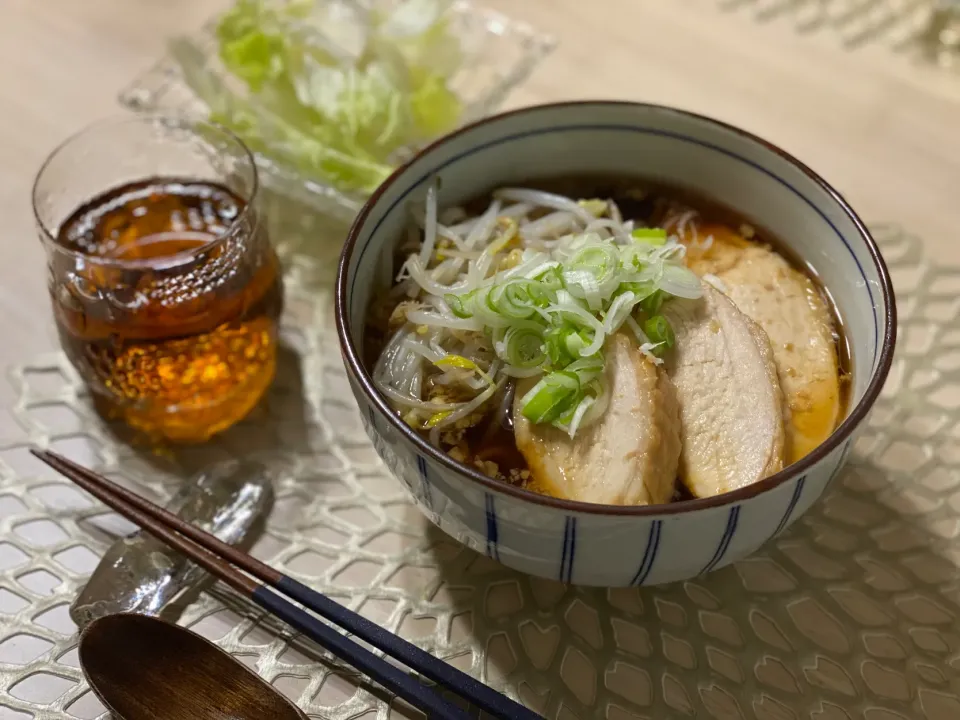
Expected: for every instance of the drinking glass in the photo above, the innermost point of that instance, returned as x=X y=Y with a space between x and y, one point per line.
x=165 y=288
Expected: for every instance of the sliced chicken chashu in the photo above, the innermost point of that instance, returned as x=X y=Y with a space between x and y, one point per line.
x=794 y=315
x=731 y=407
x=627 y=457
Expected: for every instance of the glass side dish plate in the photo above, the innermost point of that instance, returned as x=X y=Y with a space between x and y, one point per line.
x=498 y=54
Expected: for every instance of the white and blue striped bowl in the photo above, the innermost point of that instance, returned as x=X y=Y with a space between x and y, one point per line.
x=603 y=544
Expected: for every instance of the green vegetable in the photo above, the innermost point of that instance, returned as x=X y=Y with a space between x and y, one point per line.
x=522 y=347
x=652 y=303
x=660 y=332
x=556 y=315
x=459 y=305
x=515 y=299
x=333 y=88
x=564 y=343
x=650 y=236
x=435 y=108
x=550 y=398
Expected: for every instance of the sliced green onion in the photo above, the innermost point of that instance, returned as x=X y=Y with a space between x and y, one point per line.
x=576 y=416
x=540 y=296
x=552 y=312
x=680 y=281
x=594 y=206
x=595 y=256
x=551 y=278
x=639 y=289
x=512 y=299
x=583 y=284
x=618 y=311
x=459 y=304
x=587 y=369
x=522 y=347
x=601 y=259
x=563 y=344
x=567 y=417
x=652 y=303
x=551 y=397
x=659 y=331
x=650 y=236
x=555 y=347
x=576 y=341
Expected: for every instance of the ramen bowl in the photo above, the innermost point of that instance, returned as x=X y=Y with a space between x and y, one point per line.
x=613 y=545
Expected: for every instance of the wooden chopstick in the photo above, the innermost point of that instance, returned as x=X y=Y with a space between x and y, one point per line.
x=390 y=677
x=219 y=558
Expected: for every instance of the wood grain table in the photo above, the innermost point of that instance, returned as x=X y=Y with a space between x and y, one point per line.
x=885 y=131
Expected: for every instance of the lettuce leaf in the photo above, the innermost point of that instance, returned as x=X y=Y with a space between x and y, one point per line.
x=335 y=88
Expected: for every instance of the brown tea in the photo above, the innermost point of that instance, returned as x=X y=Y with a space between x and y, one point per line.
x=167 y=300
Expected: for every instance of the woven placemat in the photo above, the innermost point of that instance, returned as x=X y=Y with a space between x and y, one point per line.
x=850 y=614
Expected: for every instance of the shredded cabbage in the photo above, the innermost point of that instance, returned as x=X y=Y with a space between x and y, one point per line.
x=334 y=88
x=542 y=282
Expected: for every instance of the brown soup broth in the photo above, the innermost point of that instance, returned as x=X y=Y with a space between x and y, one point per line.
x=646 y=203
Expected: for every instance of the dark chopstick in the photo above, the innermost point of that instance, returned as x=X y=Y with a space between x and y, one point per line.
x=217 y=557
x=390 y=677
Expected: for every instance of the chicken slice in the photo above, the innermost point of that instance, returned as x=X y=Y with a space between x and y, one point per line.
x=790 y=309
x=627 y=457
x=731 y=408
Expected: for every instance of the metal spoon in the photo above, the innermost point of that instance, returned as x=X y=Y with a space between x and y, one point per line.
x=143 y=668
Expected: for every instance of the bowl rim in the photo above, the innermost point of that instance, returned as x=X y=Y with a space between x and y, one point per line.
x=836 y=438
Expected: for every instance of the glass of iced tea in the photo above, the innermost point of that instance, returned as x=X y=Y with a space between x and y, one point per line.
x=165 y=288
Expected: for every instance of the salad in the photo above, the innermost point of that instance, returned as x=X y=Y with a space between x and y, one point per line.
x=337 y=89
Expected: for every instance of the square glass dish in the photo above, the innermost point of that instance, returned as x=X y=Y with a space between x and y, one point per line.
x=497 y=53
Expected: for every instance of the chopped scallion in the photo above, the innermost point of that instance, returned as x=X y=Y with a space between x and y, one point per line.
x=650 y=236
x=652 y=303
x=459 y=304
x=551 y=397
x=522 y=298
x=660 y=332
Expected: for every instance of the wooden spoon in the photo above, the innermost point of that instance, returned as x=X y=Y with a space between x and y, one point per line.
x=143 y=668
